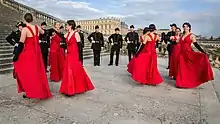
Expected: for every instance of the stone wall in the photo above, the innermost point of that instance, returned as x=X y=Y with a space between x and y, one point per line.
x=38 y=15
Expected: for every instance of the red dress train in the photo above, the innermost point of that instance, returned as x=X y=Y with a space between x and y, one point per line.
x=144 y=68
x=29 y=69
x=56 y=59
x=194 y=68
x=174 y=58
x=130 y=64
x=75 y=80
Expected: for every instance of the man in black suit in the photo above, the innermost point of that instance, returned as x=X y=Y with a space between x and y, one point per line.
x=169 y=42
x=97 y=40
x=14 y=38
x=116 y=41
x=81 y=43
x=132 y=40
x=44 y=40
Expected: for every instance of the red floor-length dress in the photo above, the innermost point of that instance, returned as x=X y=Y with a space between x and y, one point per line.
x=30 y=72
x=145 y=69
x=56 y=59
x=194 y=68
x=75 y=80
x=174 y=58
x=131 y=63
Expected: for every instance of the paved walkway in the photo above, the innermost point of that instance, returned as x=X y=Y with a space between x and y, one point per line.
x=117 y=99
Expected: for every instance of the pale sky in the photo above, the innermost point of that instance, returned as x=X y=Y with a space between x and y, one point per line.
x=204 y=15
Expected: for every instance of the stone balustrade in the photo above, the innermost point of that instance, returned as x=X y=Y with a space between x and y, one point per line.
x=40 y=16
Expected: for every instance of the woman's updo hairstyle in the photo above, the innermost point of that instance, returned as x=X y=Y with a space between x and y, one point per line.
x=28 y=17
x=72 y=24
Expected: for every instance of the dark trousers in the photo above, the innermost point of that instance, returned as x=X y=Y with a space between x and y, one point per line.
x=80 y=50
x=113 y=50
x=44 y=51
x=130 y=52
x=169 y=49
x=96 y=54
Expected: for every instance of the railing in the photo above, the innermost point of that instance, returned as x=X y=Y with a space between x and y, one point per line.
x=40 y=16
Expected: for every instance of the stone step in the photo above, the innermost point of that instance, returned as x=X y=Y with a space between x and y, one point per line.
x=6 y=65
x=5 y=44
x=88 y=53
x=2 y=51
x=87 y=50
x=87 y=47
x=5 y=55
x=2 y=38
x=6 y=70
x=4 y=35
x=6 y=47
x=5 y=60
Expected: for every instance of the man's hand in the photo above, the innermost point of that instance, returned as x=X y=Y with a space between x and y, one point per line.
x=93 y=41
x=128 y=41
x=112 y=44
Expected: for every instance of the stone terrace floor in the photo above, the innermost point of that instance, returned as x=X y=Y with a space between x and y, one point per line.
x=117 y=99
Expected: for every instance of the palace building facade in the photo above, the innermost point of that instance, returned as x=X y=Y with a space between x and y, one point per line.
x=106 y=25
x=159 y=31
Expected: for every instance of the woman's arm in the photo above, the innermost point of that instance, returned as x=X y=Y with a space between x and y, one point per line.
x=41 y=31
x=77 y=36
x=193 y=38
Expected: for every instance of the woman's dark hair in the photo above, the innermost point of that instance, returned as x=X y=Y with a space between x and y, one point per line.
x=152 y=27
x=28 y=17
x=188 y=24
x=146 y=29
x=72 y=23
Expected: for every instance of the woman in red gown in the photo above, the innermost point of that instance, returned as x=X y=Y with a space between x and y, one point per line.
x=75 y=80
x=175 y=54
x=194 y=68
x=28 y=63
x=145 y=69
x=130 y=64
x=57 y=56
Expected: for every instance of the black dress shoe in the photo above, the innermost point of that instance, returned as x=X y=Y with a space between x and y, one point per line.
x=24 y=96
x=116 y=64
x=110 y=64
x=68 y=95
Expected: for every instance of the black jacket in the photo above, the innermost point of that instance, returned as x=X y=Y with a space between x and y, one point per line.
x=46 y=38
x=81 y=39
x=98 y=37
x=167 y=37
x=134 y=38
x=117 y=39
x=14 y=37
